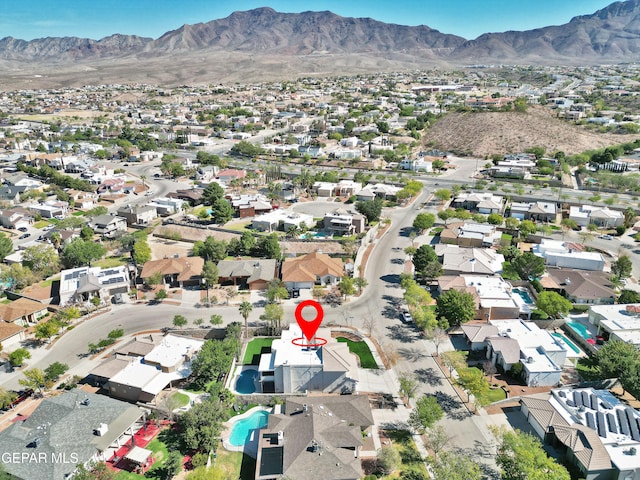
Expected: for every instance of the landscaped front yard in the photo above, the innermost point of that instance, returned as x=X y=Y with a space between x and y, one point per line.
x=361 y=349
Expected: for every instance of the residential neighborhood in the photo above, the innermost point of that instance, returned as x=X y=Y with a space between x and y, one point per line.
x=158 y=244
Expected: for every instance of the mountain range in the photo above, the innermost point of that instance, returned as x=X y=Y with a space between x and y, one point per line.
x=262 y=44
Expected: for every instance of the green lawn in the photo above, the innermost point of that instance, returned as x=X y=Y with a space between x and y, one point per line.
x=41 y=224
x=111 y=262
x=254 y=349
x=492 y=395
x=235 y=465
x=411 y=460
x=361 y=349
x=181 y=399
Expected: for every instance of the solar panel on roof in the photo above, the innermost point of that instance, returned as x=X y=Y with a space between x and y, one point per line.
x=571 y=403
x=602 y=425
x=631 y=417
x=577 y=398
x=585 y=398
x=624 y=424
x=591 y=423
x=611 y=420
x=594 y=402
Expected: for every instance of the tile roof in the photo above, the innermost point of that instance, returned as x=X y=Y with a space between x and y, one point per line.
x=17 y=309
x=8 y=330
x=307 y=267
x=186 y=267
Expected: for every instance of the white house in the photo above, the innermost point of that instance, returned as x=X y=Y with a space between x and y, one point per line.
x=601 y=216
x=281 y=220
x=557 y=253
x=292 y=367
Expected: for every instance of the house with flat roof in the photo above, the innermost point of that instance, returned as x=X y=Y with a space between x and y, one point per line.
x=281 y=220
x=138 y=214
x=144 y=367
x=541 y=354
x=67 y=430
x=167 y=206
x=344 y=222
x=557 y=253
x=617 y=322
x=315 y=438
x=594 y=430
x=295 y=368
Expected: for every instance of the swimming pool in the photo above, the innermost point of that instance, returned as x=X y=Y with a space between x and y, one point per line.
x=245 y=384
x=567 y=341
x=524 y=295
x=242 y=429
x=580 y=329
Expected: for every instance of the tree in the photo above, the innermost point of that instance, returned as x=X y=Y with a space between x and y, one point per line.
x=408 y=386
x=528 y=266
x=86 y=233
x=360 y=283
x=622 y=267
x=511 y=223
x=81 y=252
x=247 y=243
x=215 y=319
x=436 y=438
x=17 y=276
x=389 y=459
x=495 y=219
x=629 y=296
x=443 y=194
x=455 y=466
x=371 y=209
x=18 y=356
x=221 y=211
x=209 y=275
x=6 y=246
x=99 y=471
x=457 y=307
x=276 y=291
x=424 y=255
x=436 y=335
x=161 y=295
x=553 y=304
x=346 y=286
x=489 y=369
x=245 y=309
x=273 y=316
x=42 y=259
x=424 y=221
x=214 y=359
x=202 y=425
x=618 y=359
x=211 y=249
x=527 y=227
x=521 y=457
x=35 y=379
x=454 y=360
x=213 y=192
x=269 y=246
x=426 y=414
x=473 y=380
x=55 y=371
x=7 y=397
x=179 y=321
x=46 y=330
x=141 y=252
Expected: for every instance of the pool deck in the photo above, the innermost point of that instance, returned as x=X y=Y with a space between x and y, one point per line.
x=249 y=448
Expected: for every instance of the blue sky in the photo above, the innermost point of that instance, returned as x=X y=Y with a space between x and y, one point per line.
x=29 y=19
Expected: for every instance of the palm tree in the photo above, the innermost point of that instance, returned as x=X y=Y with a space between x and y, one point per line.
x=143 y=178
x=245 y=309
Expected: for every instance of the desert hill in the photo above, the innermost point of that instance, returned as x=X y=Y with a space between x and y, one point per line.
x=483 y=134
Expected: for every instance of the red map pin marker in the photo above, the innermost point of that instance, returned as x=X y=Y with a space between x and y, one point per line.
x=309 y=327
